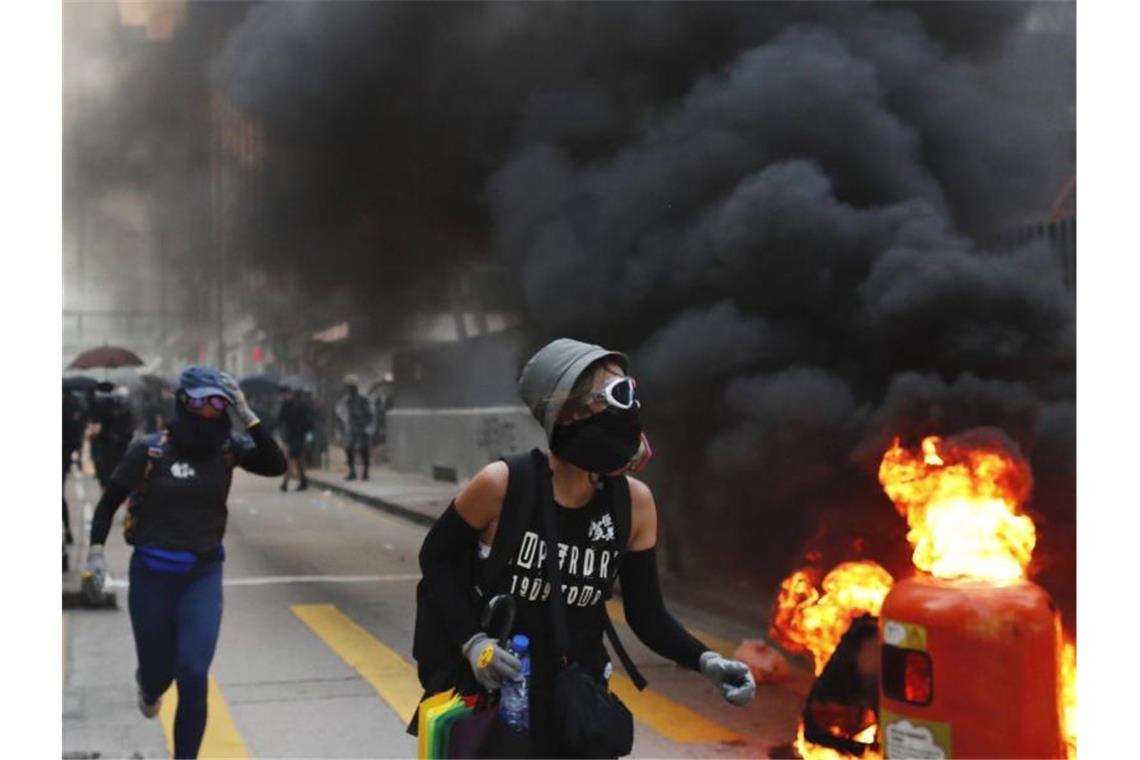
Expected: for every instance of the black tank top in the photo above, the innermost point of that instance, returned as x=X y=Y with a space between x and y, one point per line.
x=588 y=555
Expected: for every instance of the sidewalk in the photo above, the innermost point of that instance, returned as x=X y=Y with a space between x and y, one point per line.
x=413 y=497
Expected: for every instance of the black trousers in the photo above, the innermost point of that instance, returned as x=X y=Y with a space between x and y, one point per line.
x=358 y=441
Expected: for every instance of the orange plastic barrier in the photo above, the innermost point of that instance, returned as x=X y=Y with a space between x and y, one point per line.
x=969 y=670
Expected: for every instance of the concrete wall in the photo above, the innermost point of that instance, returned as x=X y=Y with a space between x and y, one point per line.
x=458 y=442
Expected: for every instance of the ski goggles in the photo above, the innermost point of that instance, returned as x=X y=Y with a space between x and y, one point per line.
x=619 y=393
x=216 y=402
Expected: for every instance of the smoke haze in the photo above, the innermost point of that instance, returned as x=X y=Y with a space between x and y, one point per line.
x=780 y=209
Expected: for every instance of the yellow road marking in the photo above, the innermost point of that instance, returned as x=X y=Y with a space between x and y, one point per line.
x=717 y=644
x=393 y=677
x=221 y=739
x=668 y=718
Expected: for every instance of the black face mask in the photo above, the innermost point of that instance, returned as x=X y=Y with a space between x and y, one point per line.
x=602 y=443
x=195 y=433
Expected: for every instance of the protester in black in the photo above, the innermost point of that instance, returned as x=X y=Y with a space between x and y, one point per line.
x=586 y=403
x=74 y=423
x=178 y=482
x=354 y=414
x=113 y=427
x=295 y=420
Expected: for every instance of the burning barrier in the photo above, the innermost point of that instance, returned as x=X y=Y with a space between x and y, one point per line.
x=970 y=619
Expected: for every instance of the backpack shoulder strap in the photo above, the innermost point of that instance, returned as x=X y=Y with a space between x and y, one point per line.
x=156 y=448
x=518 y=507
x=618 y=487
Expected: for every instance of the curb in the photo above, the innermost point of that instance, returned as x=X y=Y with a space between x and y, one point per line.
x=374 y=501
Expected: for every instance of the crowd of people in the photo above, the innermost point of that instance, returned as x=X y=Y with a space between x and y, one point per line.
x=578 y=495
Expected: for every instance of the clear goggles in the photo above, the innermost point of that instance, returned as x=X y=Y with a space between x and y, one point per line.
x=619 y=393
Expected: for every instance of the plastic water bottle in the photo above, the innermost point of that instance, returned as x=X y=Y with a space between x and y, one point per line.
x=514 y=699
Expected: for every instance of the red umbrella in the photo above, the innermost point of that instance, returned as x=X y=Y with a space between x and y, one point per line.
x=106 y=356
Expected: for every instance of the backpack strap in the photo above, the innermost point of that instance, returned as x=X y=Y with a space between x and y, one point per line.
x=154 y=452
x=515 y=516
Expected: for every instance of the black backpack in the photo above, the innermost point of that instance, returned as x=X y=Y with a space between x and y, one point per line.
x=439 y=663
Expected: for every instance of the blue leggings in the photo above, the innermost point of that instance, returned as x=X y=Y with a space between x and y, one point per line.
x=176 y=619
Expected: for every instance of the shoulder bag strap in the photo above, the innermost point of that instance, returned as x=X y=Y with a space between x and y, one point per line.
x=620 y=501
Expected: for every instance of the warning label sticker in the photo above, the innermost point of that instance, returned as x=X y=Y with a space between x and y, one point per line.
x=905 y=635
x=914 y=739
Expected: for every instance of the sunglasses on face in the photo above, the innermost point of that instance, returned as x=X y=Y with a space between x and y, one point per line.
x=619 y=393
x=216 y=402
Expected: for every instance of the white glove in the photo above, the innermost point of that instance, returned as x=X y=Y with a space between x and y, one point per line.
x=732 y=676
x=241 y=405
x=94 y=574
x=491 y=664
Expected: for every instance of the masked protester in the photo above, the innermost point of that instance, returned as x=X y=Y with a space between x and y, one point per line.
x=295 y=420
x=178 y=483
x=113 y=426
x=354 y=414
x=586 y=401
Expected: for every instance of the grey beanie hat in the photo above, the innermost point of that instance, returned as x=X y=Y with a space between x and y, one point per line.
x=549 y=376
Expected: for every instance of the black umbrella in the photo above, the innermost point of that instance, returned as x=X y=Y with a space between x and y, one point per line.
x=256 y=384
x=79 y=383
x=108 y=357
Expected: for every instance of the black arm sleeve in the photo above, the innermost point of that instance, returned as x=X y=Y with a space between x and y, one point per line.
x=446 y=560
x=128 y=476
x=265 y=458
x=646 y=614
x=105 y=511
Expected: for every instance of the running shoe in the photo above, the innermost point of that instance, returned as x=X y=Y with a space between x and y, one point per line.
x=146 y=707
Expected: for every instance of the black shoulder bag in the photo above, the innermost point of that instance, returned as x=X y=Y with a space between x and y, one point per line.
x=590 y=721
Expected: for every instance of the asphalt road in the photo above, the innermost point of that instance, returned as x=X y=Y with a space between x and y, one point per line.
x=315 y=652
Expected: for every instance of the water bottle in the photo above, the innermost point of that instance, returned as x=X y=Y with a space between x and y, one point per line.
x=514 y=699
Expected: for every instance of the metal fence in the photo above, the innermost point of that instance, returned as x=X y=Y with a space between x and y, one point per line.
x=1061 y=235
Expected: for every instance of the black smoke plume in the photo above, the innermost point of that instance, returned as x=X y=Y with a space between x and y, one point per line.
x=780 y=209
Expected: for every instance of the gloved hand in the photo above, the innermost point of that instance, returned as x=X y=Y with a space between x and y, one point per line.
x=241 y=405
x=732 y=676
x=491 y=664
x=94 y=574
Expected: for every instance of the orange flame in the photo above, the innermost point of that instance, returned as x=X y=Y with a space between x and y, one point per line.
x=806 y=620
x=962 y=506
x=810 y=751
x=1069 y=698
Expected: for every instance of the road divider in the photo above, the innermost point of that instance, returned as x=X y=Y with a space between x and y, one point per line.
x=273 y=580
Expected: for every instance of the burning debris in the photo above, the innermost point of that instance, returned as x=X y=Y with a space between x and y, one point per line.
x=970 y=620
x=807 y=621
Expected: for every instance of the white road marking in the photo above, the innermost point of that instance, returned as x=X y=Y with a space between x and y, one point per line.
x=279 y=579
